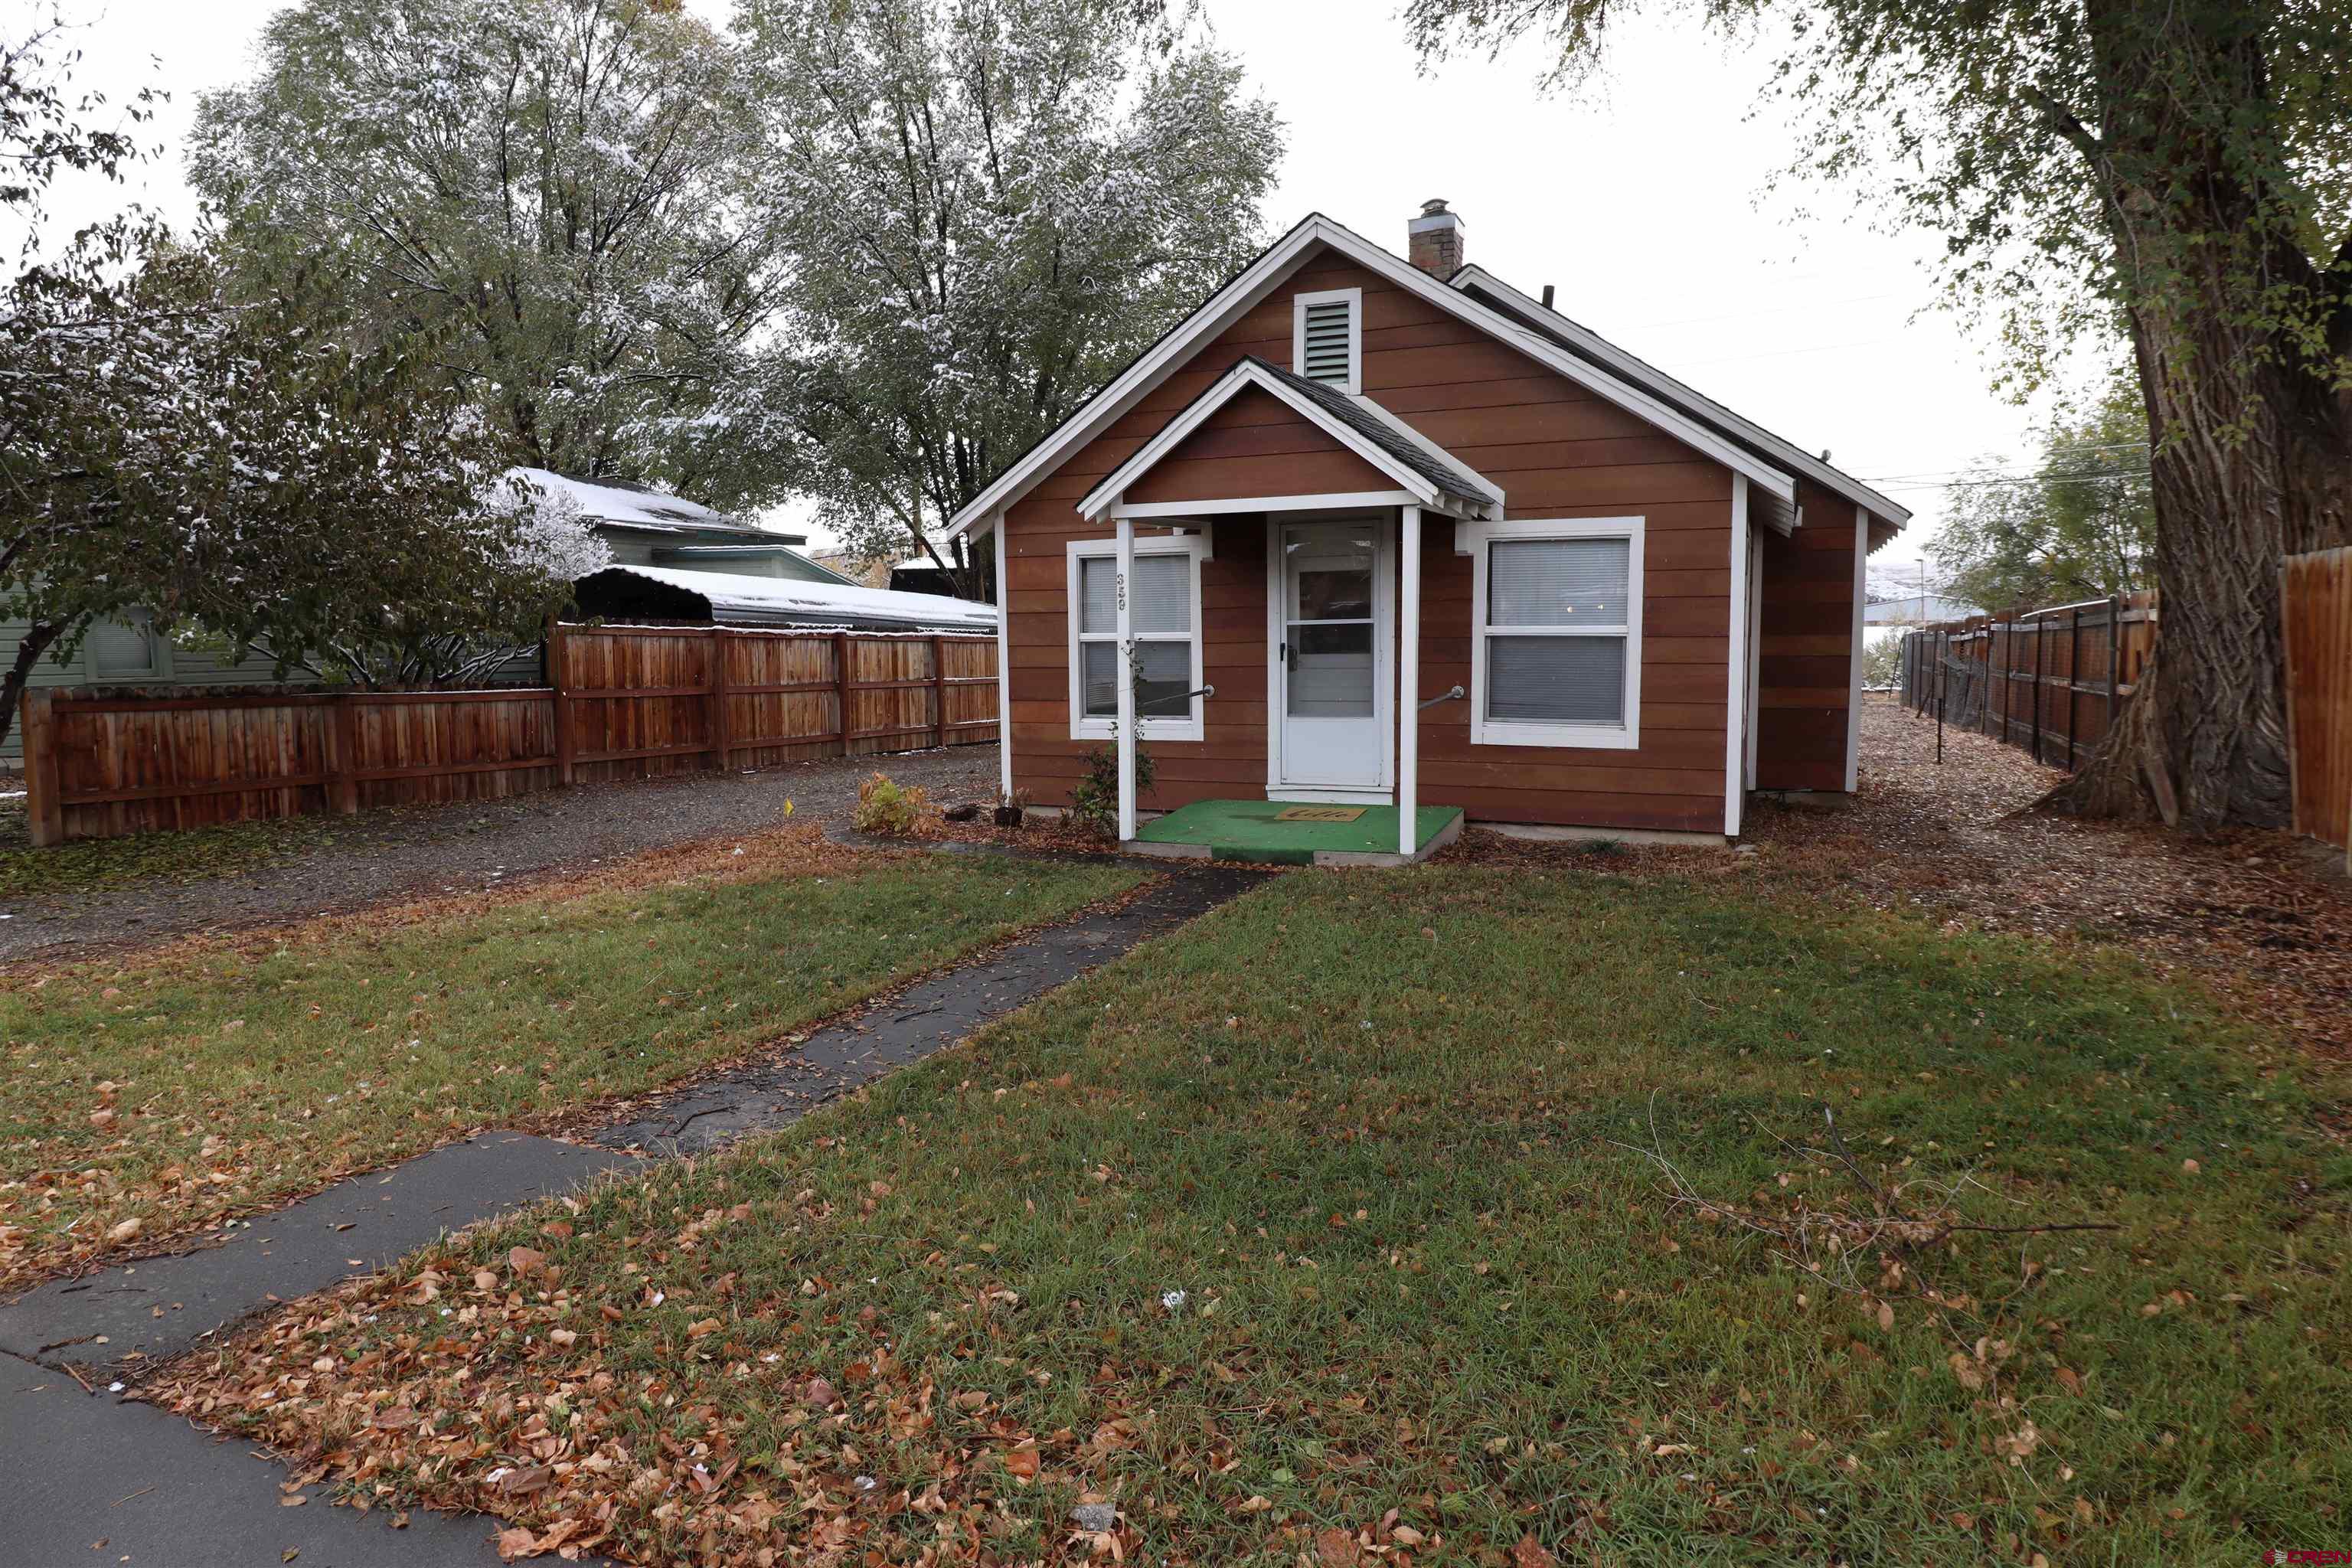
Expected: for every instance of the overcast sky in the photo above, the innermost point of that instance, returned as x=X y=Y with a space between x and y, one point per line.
x=1644 y=202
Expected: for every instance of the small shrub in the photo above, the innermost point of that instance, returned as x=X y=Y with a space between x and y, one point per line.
x=892 y=809
x=1094 y=799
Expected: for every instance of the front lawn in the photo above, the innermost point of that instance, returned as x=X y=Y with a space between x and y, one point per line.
x=1334 y=1228
x=149 y=1096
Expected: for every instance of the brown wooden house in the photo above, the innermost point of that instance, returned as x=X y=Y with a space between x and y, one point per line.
x=1383 y=532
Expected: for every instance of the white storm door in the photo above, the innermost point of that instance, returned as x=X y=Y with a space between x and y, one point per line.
x=1331 y=655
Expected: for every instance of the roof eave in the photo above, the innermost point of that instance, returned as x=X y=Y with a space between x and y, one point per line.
x=1252 y=283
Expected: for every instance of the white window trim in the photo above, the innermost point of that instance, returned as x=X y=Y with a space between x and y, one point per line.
x=1486 y=732
x=1355 y=298
x=1101 y=727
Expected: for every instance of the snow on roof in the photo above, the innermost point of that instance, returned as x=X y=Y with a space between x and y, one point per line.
x=782 y=601
x=635 y=506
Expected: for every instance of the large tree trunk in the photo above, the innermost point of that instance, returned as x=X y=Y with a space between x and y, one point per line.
x=39 y=638
x=2253 y=451
x=2203 y=741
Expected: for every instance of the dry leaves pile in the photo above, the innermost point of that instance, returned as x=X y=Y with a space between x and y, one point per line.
x=505 y=1388
x=2264 y=917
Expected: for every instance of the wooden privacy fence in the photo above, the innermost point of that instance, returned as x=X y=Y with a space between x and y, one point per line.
x=621 y=702
x=2050 y=681
x=2316 y=610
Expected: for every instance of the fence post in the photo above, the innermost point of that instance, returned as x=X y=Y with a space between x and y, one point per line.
x=841 y=686
x=559 y=682
x=343 y=725
x=721 y=730
x=939 y=693
x=44 y=815
x=2114 y=655
x=2074 y=665
x=2038 y=629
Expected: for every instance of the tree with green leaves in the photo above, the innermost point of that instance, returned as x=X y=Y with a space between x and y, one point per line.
x=251 y=466
x=2082 y=526
x=990 y=206
x=568 y=191
x=2183 y=167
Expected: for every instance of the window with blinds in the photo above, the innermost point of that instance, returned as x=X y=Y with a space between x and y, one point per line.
x=1165 y=623
x=1328 y=337
x=1558 y=634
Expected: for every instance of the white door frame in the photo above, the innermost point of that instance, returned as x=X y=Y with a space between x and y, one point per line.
x=1384 y=564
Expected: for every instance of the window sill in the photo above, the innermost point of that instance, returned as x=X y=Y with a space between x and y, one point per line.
x=1575 y=737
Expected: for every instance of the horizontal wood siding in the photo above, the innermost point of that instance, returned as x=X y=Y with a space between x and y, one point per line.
x=1804 y=647
x=1256 y=445
x=1556 y=451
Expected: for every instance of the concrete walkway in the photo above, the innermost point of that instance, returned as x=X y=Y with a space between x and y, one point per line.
x=87 y=1467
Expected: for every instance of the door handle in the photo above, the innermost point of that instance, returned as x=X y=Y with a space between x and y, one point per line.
x=1289 y=659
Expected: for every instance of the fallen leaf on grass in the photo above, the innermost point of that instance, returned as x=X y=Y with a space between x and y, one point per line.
x=1529 y=1553
x=1337 y=1549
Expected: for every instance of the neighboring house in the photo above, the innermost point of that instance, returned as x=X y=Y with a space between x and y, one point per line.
x=643 y=527
x=127 y=652
x=1353 y=484
x=646 y=527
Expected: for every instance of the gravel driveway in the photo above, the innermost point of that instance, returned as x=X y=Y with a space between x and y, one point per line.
x=475 y=844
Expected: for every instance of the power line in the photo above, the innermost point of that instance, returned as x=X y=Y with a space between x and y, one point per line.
x=2012 y=479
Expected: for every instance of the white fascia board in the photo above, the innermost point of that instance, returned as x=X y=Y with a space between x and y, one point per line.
x=1099 y=500
x=1258 y=280
x=1331 y=500
x=1796 y=456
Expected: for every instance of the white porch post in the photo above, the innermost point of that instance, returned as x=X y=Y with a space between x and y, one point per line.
x=1126 y=593
x=1003 y=667
x=1408 y=681
x=1735 y=712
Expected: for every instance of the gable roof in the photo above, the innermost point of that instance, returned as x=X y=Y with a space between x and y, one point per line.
x=1416 y=465
x=1586 y=343
x=1251 y=285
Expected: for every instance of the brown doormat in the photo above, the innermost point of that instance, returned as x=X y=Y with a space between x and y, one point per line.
x=1318 y=814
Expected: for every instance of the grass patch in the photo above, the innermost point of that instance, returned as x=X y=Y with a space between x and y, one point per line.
x=1369 y=1128
x=89 y=865
x=174 y=1089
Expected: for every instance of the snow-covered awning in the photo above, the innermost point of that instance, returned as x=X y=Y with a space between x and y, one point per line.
x=637 y=506
x=729 y=598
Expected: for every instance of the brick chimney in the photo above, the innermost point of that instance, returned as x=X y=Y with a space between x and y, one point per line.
x=1435 y=240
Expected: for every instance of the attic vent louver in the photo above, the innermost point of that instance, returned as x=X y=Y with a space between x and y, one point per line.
x=1329 y=338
